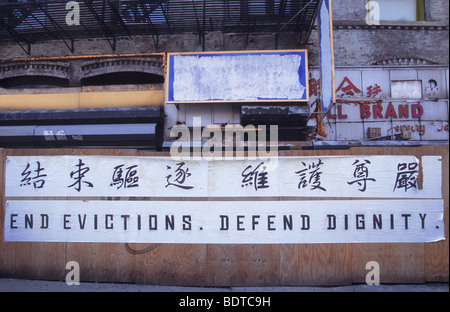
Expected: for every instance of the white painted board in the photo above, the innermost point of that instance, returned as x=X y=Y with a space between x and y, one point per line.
x=393 y=176
x=239 y=76
x=225 y=222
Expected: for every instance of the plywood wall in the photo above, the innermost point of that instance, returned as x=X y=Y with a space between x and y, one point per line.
x=230 y=265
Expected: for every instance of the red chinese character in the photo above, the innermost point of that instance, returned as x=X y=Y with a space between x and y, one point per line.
x=347 y=88
x=314 y=86
x=373 y=91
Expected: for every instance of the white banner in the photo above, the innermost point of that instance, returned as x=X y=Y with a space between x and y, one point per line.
x=225 y=222
x=320 y=176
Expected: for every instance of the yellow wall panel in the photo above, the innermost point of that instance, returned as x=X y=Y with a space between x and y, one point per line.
x=81 y=100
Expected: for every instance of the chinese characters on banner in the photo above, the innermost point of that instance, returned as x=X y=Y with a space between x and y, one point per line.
x=332 y=176
x=398 y=199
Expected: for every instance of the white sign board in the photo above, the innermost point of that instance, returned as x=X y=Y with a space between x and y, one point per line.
x=406 y=89
x=356 y=176
x=240 y=76
x=403 y=200
x=225 y=222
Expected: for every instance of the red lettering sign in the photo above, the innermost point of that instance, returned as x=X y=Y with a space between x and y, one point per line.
x=402 y=111
x=340 y=114
x=390 y=112
x=377 y=111
x=365 y=111
x=416 y=110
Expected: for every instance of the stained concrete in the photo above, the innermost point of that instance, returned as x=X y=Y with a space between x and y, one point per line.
x=19 y=285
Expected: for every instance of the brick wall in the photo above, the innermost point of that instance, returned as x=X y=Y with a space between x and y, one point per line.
x=437 y=10
x=356 y=43
x=360 y=47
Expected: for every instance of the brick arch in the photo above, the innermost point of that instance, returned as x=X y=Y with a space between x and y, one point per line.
x=45 y=69
x=405 y=61
x=148 y=65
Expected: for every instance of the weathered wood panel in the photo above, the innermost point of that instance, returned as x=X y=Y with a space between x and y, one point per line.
x=437 y=254
x=230 y=265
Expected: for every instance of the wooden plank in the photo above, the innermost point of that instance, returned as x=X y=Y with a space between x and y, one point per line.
x=407 y=263
x=260 y=264
x=111 y=263
x=91 y=258
x=145 y=263
x=174 y=264
x=243 y=265
x=222 y=266
x=316 y=264
x=437 y=254
x=399 y=263
x=7 y=250
x=39 y=260
x=231 y=265
x=100 y=262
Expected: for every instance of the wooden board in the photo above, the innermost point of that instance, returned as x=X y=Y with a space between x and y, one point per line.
x=230 y=265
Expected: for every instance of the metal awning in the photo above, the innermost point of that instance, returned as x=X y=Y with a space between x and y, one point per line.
x=92 y=136
x=82 y=116
x=292 y=120
x=124 y=127
x=286 y=115
x=28 y=22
